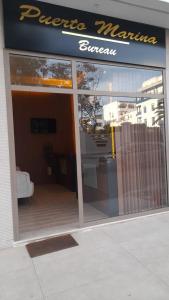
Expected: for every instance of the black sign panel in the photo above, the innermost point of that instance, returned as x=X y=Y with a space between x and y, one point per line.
x=41 y=27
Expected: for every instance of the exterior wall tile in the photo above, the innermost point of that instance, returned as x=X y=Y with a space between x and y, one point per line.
x=6 y=223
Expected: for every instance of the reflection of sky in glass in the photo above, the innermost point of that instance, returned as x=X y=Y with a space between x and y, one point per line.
x=112 y=78
x=104 y=100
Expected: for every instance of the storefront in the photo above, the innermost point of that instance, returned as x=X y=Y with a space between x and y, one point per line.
x=114 y=73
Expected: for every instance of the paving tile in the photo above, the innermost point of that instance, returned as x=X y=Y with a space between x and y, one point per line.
x=122 y=289
x=138 y=229
x=80 y=293
x=117 y=287
x=21 y=284
x=115 y=262
x=147 y=252
x=93 y=238
x=14 y=259
x=151 y=288
x=164 y=217
x=148 y=247
x=89 y=241
x=160 y=267
x=72 y=271
x=84 y=267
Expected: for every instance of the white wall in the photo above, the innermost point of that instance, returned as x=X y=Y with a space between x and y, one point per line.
x=6 y=224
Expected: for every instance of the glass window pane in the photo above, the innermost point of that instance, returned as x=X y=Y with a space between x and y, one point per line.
x=36 y=71
x=123 y=155
x=99 y=77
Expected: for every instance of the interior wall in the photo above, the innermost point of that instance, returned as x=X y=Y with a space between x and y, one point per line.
x=29 y=147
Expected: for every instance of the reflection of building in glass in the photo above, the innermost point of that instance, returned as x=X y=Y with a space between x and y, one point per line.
x=152 y=86
x=146 y=112
x=138 y=110
x=118 y=112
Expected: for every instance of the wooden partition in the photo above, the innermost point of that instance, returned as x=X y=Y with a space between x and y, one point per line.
x=141 y=168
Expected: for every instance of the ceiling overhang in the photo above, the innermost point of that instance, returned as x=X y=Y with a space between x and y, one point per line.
x=153 y=12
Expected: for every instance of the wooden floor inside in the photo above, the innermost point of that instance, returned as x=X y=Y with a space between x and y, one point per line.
x=51 y=209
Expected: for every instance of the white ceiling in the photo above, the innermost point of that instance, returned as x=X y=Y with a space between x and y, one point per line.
x=154 y=12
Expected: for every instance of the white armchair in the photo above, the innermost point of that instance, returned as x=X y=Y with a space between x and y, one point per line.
x=25 y=188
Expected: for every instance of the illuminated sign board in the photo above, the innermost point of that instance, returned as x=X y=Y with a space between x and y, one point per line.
x=41 y=27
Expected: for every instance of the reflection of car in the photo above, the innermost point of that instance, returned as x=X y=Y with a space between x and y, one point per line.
x=25 y=188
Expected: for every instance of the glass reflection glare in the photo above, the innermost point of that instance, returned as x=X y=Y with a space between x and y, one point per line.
x=123 y=155
x=99 y=77
x=27 y=70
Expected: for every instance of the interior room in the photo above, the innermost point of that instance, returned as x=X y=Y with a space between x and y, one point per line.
x=46 y=163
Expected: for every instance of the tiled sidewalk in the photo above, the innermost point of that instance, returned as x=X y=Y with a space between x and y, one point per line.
x=127 y=260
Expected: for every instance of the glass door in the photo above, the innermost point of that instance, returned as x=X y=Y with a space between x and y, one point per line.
x=118 y=139
x=45 y=145
x=122 y=140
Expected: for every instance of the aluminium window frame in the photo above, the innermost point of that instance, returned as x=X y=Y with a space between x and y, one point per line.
x=74 y=91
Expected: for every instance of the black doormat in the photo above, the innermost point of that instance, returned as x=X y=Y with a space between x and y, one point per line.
x=51 y=245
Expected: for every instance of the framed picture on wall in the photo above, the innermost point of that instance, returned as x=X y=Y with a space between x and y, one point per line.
x=43 y=125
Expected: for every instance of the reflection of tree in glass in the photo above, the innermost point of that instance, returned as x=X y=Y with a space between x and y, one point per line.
x=21 y=66
x=34 y=68
x=56 y=69
x=89 y=77
x=91 y=110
